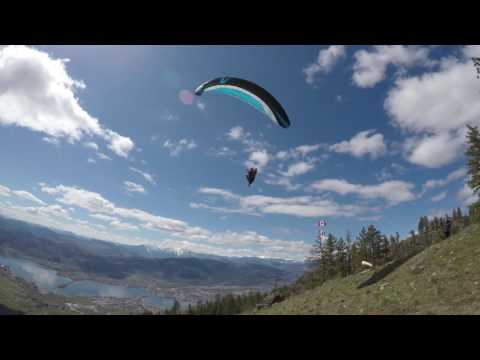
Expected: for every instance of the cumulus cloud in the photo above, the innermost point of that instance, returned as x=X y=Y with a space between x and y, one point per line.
x=439 y=197
x=237 y=133
x=298 y=152
x=394 y=191
x=120 y=145
x=28 y=196
x=103 y=217
x=145 y=175
x=4 y=191
x=370 y=66
x=123 y=226
x=325 y=62
x=282 y=181
x=51 y=141
x=91 y=145
x=131 y=187
x=258 y=159
x=7 y=192
x=454 y=175
x=299 y=168
x=434 y=151
x=176 y=148
x=435 y=107
x=96 y=203
x=57 y=217
x=363 y=143
x=300 y=206
x=37 y=93
x=467 y=196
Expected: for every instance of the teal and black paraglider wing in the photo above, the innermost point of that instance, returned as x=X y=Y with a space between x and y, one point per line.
x=250 y=93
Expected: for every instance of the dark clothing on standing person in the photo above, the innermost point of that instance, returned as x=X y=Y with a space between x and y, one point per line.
x=447 y=228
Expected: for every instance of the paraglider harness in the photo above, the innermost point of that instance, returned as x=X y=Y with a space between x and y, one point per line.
x=251 y=174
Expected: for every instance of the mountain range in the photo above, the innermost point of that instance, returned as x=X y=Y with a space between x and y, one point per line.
x=71 y=253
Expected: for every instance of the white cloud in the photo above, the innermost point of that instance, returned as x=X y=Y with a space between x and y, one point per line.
x=175 y=148
x=454 y=175
x=434 y=151
x=37 y=93
x=299 y=168
x=91 y=161
x=103 y=217
x=299 y=152
x=51 y=140
x=146 y=175
x=467 y=196
x=103 y=156
x=201 y=106
x=393 y=191
x=243 y=243
x=123 y=226
x=28 y=196
x=300 y=206
x=56 y=217
x=91 y=145
x=225 y=151
x=95 y=203
x=326 y=59
x=435 y=107
x=439 y=197
x=6 y=192
x=236 y=133
x=222 y=210
x=258 y=159
x=281 y=181
x=370 y=67
x=362 y=144
x=133 y=187
x=120 y=145
x=304 y=150
x=227 y=195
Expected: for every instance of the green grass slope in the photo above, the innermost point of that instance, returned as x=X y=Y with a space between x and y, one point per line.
x=18 y=295
x=443 y=279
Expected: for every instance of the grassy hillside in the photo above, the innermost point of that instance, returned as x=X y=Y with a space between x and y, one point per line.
x=443 y=279
x=18 y=295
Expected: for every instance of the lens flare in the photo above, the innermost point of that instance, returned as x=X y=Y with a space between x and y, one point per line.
x=186 y=97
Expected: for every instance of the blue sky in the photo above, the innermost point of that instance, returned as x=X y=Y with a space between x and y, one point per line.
x=107 y=141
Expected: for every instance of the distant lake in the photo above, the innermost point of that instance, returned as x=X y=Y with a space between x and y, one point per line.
x=49 y=281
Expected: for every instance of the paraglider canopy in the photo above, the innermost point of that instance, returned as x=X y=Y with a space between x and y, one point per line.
x=249 y=93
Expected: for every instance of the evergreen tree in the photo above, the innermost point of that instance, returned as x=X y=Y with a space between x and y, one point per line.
x=327 y=263
x=341 y=258
x=422 y=225
x=473 y=153
x=348 y=259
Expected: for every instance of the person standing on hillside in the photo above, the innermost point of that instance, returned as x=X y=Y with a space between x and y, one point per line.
x=447 y=226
